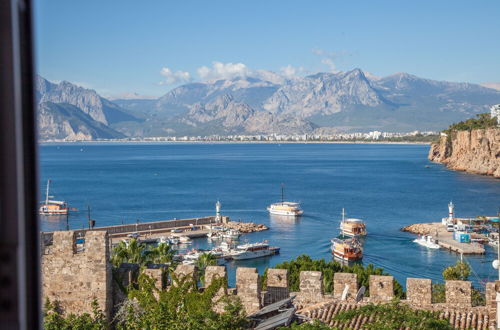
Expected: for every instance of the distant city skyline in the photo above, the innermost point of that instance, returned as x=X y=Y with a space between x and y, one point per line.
x=134 y=49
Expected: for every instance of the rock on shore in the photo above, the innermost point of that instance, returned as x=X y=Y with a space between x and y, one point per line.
x=476 y=151
x=428 y=228
x=246 y=227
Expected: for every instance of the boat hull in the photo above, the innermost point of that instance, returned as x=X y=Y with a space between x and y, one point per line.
x=252 y=254
x=346 y=257
x=286 y=213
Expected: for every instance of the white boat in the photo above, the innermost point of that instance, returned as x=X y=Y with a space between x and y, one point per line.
x=352 y=227
x=285 y=208
x=173 y=240
x=232 y=234
x=52 y=207
x=253 y=250
x=163 y=240
x=426 y=241
x=184 y=240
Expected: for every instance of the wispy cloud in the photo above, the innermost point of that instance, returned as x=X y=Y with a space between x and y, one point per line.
x=221 y=70
x=330 y=59
x=171 y=77
x=290 y=71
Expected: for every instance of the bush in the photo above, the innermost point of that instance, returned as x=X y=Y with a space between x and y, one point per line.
x=305 y=263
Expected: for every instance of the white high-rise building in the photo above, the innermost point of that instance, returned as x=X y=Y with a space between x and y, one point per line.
x=495 y=112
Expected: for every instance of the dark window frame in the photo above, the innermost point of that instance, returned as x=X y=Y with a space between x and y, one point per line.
x=20 y=305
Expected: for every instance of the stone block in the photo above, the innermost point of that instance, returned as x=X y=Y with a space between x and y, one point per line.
x=311 y=286
x=186 y=271
x=214 y=272
x=458 y=293
x=381 y=288
x=419 y=291
x=157 y=275
x=277 y=285
x=340 y=280
x=248 y=289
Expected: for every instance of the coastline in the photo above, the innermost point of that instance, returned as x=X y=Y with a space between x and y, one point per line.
x=231 y=142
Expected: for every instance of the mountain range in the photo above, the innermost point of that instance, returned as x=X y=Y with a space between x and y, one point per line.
x=266 y=103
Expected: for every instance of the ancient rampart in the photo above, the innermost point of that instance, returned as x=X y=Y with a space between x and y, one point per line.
x=74 y=274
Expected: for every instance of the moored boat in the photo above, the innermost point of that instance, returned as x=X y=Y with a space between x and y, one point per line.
x=352 y=227
x=253 y=250
x=53 y=207
x=285 y=208
x=346 y=249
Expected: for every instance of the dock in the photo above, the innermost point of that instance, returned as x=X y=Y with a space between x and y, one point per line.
x=150 y=231
x=445 y=238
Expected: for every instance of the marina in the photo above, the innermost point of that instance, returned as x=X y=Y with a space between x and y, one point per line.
x=119 y=194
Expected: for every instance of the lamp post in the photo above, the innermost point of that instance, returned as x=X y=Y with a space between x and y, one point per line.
x=496 y=265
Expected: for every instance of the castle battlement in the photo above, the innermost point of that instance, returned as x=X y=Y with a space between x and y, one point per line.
x=76 y=271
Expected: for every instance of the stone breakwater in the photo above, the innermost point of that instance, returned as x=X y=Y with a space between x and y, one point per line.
x=246 y=227
x=476 y=151
x=428 y=228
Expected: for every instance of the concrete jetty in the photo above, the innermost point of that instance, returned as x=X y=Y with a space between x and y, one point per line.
x=445 y=238
x=151 y=231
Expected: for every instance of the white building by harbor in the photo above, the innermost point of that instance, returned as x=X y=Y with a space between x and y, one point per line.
x=495 y=112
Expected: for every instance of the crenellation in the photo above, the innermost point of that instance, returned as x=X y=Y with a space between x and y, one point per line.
x=341 y=280
x=248 y=289
x=186 y=271
x=75 y=279
x=458 y=293
x=311 y=286
x=277 y=285
x=381 y=288
x=419 y=291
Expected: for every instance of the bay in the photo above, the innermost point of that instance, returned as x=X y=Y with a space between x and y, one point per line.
x=389 y=186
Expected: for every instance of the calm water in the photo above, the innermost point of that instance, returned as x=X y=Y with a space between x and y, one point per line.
x=387 y=185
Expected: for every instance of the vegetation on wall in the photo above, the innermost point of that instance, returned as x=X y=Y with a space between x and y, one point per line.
x=458 y=272
x=305 y=263
x=179 y=307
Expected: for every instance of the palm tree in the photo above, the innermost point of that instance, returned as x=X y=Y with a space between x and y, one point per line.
x=162 y=254
x=206 y=259
x=129 y=252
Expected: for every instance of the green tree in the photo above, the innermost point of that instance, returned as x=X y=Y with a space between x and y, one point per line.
x=459 y=272
x=305 y=263
x=205 y=259
x=53 y=318
x=130 y=252
x=179 y=307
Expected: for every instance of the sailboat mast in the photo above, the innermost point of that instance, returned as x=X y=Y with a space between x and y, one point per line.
x=47 y=193
x=282 y=193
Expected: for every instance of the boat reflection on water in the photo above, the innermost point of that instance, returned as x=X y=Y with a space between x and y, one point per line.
x=347 y=263
x=284 y=222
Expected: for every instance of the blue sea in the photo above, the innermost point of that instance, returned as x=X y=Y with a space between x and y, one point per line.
x=389 y=186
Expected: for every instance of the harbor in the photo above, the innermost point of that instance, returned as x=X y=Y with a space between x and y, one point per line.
x=460 y=235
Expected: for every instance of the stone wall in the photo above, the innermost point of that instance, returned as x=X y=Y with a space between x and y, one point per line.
x=276 y=286
x=76 y=275
x=248 y=289
x=381 y=288
x=459 y=293
x=343 y=280
x=419 y=291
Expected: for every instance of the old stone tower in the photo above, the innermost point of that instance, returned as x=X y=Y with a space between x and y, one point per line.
x=76 y=274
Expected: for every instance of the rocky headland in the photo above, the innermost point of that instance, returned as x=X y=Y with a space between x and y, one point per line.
x=429 y=228
x=475 y=151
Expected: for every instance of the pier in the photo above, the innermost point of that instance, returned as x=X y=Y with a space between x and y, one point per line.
x=152 y=231
x=445 y=238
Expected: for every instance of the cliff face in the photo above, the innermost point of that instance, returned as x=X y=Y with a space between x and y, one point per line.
x=477 y=151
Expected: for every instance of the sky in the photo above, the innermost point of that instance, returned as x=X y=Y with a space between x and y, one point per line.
x=122 y=47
